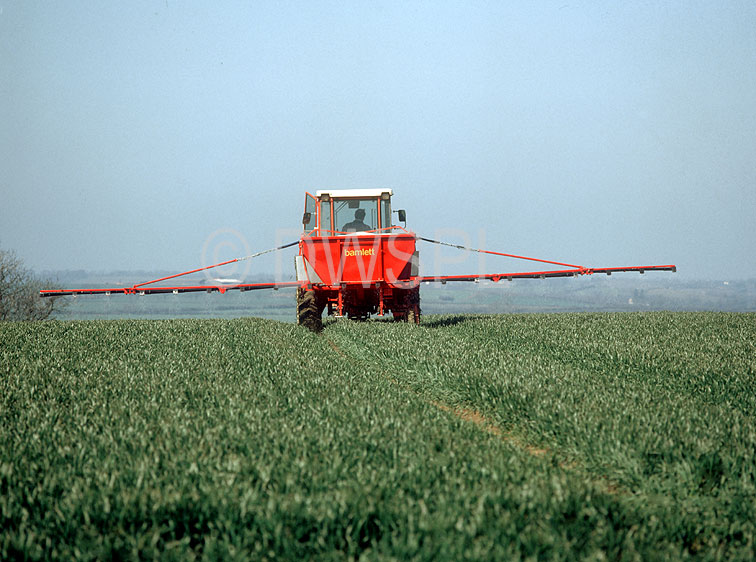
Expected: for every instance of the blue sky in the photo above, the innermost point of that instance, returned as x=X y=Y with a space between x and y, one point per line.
x=597 y=133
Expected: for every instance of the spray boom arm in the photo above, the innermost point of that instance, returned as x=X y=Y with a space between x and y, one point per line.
x=148 y=287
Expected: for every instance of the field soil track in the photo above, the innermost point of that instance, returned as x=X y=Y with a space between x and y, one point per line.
x=487 y=425
x=486 y=437
x=465 y=414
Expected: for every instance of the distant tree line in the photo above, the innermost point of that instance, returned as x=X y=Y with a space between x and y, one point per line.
x=19 y=291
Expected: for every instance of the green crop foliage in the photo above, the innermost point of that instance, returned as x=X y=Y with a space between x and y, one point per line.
x=570 y=436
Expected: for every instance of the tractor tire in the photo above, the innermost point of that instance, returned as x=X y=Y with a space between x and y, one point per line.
x=413 y=316
x=308 y=311
x=409 y=308
x=413 y=309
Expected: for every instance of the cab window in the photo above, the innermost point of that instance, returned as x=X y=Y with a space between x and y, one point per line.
x=325 y=218
x=385 y=213
x=355 y=215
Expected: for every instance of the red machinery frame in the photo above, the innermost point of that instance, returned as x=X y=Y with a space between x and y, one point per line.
x=358 y=274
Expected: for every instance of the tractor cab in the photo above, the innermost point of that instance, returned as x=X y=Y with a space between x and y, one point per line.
x=348 y=211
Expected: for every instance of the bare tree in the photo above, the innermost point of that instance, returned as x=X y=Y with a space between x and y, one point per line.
x=19 y=291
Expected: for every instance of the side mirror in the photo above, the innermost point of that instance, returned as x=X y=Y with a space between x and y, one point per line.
x=402 y=215
x=306 y=219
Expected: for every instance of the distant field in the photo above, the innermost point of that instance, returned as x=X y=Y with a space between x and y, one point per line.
x=624 y=436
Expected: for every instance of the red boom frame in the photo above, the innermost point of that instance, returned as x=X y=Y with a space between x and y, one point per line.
x=374 y=270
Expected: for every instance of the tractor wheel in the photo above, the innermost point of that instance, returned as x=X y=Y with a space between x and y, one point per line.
x=413 y=308
x=413 y=316
x=409 y=308
x=308 y=311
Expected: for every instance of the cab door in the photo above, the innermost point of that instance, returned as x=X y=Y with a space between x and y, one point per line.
x=310 y=217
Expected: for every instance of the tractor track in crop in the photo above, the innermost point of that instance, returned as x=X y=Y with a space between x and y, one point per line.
x=485 y=424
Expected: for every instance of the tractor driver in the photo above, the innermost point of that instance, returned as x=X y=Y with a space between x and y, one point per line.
x=357 y=224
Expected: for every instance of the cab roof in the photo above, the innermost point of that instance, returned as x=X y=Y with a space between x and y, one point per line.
x=365 y=193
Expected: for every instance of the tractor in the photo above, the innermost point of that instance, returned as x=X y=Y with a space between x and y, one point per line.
x=353 y=262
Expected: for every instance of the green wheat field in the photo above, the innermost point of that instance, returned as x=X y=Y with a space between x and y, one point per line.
x=594 y=436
